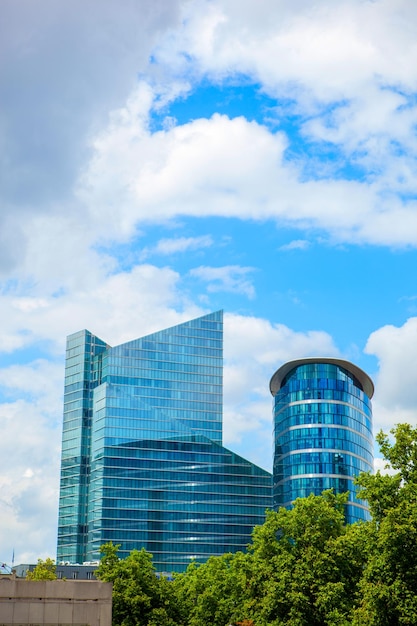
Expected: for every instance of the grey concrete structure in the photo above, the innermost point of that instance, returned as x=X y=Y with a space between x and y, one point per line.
x=54 y=602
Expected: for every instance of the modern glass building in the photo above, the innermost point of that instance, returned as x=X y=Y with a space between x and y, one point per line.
x=142 y=458
x=322 y=430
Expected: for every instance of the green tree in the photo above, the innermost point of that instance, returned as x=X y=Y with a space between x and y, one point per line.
x=44 y=570
x=213 y=592
x=140 y=597
x=306 y=565
x=389 y=582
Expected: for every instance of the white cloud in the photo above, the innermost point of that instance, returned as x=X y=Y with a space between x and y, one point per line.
x=229 y=168
x=115 y=307
x=380 y=465
x=178 y=244
x=41 y=379
x=396 y=383
x=270 y=344
x=30 y=448
x=231 y=278
x=255 y=348
x=348 y=69
x=296 y=244
x=206 y=167
x=328 y=51
x=359 y=97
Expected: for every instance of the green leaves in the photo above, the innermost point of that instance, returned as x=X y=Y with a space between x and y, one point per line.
x=389 y=581
x=402 y=454
x=309 y=574
x=212 y=593
x=44 y=570
x=140 y=597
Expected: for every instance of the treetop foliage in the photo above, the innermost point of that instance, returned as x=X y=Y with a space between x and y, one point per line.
x=44 y=570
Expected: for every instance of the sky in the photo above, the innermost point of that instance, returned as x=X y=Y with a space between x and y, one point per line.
x=162 y=159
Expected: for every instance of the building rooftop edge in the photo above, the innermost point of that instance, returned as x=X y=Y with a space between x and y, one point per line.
x=194 y=319
x=364 y=379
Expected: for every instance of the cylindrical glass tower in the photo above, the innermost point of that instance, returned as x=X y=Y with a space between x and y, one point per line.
x=322 y=430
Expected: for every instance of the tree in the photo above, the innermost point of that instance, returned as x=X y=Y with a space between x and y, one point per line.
x=213 y=592
x=306 y=565
x=140 y=597
x=302 y=569
x=389 y=582
x=44 y=570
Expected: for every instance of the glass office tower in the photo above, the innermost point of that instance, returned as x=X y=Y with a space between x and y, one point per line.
x=322 y=430
x=142 y=458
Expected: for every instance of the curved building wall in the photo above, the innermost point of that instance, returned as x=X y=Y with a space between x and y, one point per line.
x=322 y=431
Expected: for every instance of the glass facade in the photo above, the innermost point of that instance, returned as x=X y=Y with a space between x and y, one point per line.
x=142 y=458
x=322 y=431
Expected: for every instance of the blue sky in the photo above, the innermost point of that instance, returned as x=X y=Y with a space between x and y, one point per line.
x=169 y=158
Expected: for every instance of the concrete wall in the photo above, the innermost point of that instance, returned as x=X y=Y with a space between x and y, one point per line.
x=54 y=602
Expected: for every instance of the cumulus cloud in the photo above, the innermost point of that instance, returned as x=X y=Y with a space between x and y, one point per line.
x=232 y=278
x=116 y=307
x=203 y=168
x=30 y=449
x=112 y=174
x=358 y=97
x=396 y=383
x=177 y=245
x=228 y=168
x=296 y=244
x=324 y=52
